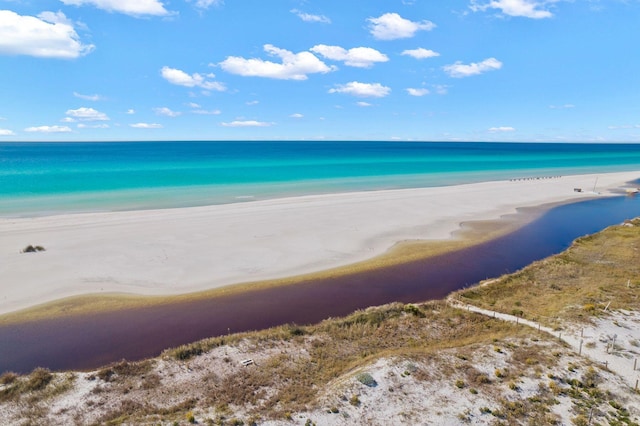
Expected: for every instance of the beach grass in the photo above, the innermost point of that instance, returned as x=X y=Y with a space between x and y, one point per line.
x=598 y=272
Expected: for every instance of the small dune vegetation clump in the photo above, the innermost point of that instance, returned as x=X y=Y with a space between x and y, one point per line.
x=32 y=249
x=367 y=380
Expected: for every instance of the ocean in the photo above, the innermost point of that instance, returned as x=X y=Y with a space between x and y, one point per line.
x=38 y=178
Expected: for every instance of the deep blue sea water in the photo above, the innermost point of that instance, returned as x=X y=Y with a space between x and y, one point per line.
x=50 y=178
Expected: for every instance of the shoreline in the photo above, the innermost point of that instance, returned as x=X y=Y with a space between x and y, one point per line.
x=470 y=234
x=178 y=252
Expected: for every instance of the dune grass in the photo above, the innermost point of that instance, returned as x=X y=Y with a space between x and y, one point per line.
x=597 y=272
x=337 y=346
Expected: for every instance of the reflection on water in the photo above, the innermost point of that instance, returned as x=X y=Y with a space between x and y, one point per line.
x=88 y=341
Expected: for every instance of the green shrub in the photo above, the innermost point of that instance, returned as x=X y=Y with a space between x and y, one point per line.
x=8 y=378
x=295 y=330
x=414 y=310
x=367 y=380
x=186 y=352
x=354 y=400
x=615 y=404
x=38 y=379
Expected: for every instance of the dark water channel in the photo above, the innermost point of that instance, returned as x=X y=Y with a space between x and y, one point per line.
x=89 y=341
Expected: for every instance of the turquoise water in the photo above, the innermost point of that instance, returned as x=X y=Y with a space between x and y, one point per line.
x=51 y=178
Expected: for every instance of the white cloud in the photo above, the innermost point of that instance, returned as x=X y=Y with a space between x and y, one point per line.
x=131 y=111
x=296 y=115
x=565 y=106
x=501 y=129
x=391 y=26
x=247 y=123
x=206 y=4
x=421 y=53
x=68 y=120
x=294 y=66
x=365 y=90
x=417 y=92
x=181 y=78
x=86 y=114
x=522 y=8
x=311 y=18
x=441 y=89
x=167 y=112
x=48 y=129
x=625 y=126
x=459 y=70
x=207 y=112
x=128 y=7
x=50 y=35
x=363 y=104
x=6 y=132
x=146 y=126
x=197 y=109
x=87 y=97
x=92 y=126
x=360 y=57
x=253 y=102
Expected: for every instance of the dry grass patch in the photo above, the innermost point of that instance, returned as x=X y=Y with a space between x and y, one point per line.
x=597 y=271
x=15 y=386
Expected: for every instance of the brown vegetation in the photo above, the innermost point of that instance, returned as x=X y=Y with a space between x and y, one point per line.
x=597 y=272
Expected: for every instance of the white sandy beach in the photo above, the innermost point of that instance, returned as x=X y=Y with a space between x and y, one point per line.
x=183 y=250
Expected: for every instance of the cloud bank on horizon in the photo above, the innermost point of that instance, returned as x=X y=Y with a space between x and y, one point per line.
x=503 y=70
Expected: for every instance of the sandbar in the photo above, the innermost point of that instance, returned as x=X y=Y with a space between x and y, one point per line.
x=186 y=250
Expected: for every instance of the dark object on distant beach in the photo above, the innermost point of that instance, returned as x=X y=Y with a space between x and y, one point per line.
x=32 y=249
x=577 y=189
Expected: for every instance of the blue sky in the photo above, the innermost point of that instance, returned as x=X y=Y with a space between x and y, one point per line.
x=494 y=70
